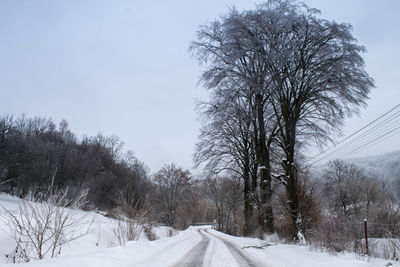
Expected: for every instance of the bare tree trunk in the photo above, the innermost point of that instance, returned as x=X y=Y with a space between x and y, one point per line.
x=267 y=219
x=248 y=205
x=292 y=190
x=266 y=198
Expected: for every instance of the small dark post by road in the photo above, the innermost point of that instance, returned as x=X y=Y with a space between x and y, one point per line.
x=366 y=236
x=214 y=225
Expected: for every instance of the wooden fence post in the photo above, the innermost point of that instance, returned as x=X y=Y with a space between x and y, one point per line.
x=366 y=236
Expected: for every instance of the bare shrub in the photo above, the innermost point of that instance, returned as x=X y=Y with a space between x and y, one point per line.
x=337 y=235
x=224 y=193
x=350 y=196
x=41 y=229
x=127 y=230
x=148 y=230
x=171 y=232
x=393 y=249
x=387 y=248
x=135 y=218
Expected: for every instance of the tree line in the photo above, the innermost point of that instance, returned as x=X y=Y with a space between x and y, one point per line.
x=36 y=153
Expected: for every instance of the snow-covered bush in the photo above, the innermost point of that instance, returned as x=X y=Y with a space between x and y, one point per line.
x=39 y=230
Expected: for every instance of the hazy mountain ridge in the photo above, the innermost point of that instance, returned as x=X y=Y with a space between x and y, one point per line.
x=384 y=166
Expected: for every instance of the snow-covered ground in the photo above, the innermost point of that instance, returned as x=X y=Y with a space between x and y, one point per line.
x=283 y=255
x=196 y=246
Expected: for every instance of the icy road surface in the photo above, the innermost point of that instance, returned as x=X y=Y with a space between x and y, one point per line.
x=213 y=250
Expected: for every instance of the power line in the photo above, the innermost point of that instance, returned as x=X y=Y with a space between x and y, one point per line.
x=364 y=137
x=372 y=122
x=373 y=142
x=381 y=127
x=370 y=143
x=367 y=136
x=372 y=135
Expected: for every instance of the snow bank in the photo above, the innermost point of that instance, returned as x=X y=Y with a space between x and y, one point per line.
x=100 y=236
x=284 y=255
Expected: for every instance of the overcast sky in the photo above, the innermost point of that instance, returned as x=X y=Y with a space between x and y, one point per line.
x=123 y=67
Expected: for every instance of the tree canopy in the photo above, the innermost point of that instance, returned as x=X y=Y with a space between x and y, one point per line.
x=298 y=75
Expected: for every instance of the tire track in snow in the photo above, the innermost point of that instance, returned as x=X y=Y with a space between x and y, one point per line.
x=195 y=256
x=242 y=259
x=162 y=251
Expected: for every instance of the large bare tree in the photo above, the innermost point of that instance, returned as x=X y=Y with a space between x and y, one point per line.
x=317 y=79
x=237 y=77
x=226 y=144
x=308 y=70
x=170 y=185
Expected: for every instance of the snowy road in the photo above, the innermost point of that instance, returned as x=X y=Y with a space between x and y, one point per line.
x=241 y=258
x=195 y=257
x=204 y=247
x=200 y=255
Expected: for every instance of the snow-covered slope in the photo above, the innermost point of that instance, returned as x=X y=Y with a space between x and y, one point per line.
x=196 y=246
x=100 y=235
x=385 y=166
